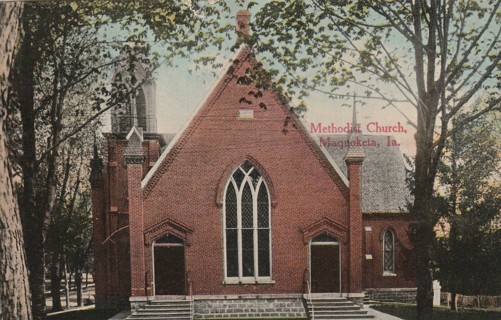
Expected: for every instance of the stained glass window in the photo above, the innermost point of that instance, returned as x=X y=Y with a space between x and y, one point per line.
x=248 y=252
x=231 y=207
x=263 y=215
x=247 y=210
x=238 y=177
x=389 y=252
x=247 y=225
x=231 y=253
x=264 y=252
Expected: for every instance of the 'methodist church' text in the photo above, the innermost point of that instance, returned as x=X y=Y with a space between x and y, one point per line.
x=371 y=127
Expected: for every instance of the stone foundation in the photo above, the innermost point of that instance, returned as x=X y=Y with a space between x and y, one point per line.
x=392 y=294
x=250 y=308
x=138 y=302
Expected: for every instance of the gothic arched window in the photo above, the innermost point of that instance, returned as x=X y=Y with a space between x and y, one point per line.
x=389 y=252
x=247 y=226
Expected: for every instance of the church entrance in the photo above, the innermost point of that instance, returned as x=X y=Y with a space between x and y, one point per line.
x=168 y=266
x=325 y=267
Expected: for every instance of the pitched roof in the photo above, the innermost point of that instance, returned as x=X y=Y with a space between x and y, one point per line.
x=177 y=136
x=384 y=189
x=220 y=83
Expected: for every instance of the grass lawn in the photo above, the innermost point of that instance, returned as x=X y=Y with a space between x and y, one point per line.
x=408 y=312
x=89 y=314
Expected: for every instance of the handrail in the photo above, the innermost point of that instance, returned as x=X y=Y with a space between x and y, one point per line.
x=305 y=280
x=311 y=301
x=190 y=294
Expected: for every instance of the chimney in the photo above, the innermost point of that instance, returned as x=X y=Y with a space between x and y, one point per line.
x=134 y=159
x=354 y=159
x=242 y=26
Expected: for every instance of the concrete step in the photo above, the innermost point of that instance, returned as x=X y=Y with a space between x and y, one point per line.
x=156 y=317
x=153 y=317
x=335 y=308
x=344 y=317
x=319 y=312
x=169 y=303
x=164 y=313
x=252 y=315
x=326 y=303
x=163 y=309
x=326 y=307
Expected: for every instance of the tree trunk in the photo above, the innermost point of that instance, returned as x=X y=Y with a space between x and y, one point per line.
x=78 y=285
x=32 y=220
x=66 y=286
x=424 y=238
x=14 y=296
x=55 y=284
x=453 y=298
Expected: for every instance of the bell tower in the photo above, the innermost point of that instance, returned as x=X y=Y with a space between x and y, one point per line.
x=134 y=77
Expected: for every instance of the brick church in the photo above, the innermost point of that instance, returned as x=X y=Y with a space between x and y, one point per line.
x=244 y=202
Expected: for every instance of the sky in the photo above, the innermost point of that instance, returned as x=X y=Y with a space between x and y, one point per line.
x=179 y=92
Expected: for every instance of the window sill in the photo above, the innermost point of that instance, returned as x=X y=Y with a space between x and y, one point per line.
x=389 y=274
x=247 y=281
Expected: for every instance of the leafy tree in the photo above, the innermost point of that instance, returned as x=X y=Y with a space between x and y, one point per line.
x=56 y=63
x=468 y=258
x=436 y=55
x=50 y=67
x=14 y=288
x=69 y=230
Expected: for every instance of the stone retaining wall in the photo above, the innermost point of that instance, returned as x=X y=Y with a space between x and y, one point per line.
x=392 y=294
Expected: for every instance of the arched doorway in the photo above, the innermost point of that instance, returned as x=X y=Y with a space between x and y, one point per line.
x=325 y=264
x=168 y=266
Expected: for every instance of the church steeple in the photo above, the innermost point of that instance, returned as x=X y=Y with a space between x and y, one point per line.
x=139 y=109
x=355 y=151
x=354 y=119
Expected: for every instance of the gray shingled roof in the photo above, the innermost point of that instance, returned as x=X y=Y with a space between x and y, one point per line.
x=383 y=174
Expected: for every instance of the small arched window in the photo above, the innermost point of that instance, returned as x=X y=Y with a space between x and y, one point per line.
x=389 y=252
x=247 y=226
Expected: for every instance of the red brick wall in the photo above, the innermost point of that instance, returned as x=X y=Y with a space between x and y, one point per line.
x=216 y=144
x=98 y=235
x=373 y=244
x=355 y=281
x=110 y=203
x=189 y=186
x=135 y=172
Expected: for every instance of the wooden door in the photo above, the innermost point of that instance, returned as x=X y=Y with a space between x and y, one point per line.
x=169 y=270
x=325 y=268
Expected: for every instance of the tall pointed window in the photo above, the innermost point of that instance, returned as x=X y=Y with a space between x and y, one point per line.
x=141 y=109
x=247 y=226
x=389 y=252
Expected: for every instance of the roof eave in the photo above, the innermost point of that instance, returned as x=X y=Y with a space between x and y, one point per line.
x=180 y=132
